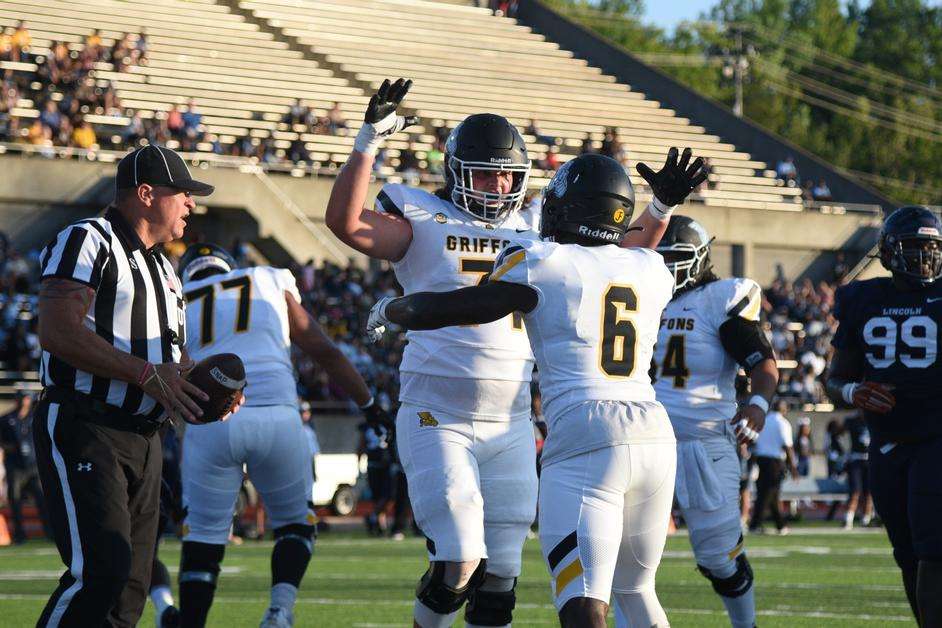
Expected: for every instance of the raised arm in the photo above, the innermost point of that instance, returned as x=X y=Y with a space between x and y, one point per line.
x=382 y=236
x=310 y=338
x=474 y=305
x=671 y=185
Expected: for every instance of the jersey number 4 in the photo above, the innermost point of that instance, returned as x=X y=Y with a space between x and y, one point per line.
x=208 y=294
x=619 y=336
x=919 y=335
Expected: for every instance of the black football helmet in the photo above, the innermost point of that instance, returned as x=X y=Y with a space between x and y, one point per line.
x=203 y=259
x=911 y=245
x=591 y=198
x=685 y=247
x=485 y=142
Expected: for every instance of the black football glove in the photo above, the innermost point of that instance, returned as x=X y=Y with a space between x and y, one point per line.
x=676 y=180
x=378 y=418
x=381 y=119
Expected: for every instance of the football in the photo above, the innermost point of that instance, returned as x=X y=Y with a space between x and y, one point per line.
x=222 y=377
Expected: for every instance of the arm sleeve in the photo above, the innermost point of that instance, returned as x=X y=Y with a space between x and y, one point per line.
x=787 y=433
x=845 y=336
x=745 y=342
x=79 y=253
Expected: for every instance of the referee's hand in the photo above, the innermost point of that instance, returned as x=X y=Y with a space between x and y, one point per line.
x=174 y=393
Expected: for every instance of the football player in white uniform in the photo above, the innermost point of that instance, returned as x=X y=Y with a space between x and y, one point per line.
x=591 y=311
x=255 y=313
x=463 y=433
x=708 y=331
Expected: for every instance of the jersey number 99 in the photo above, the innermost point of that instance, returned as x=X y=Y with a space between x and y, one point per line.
x=919 y=335
x=617 y=353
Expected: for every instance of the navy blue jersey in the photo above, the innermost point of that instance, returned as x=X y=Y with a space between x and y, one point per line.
x=898 y=334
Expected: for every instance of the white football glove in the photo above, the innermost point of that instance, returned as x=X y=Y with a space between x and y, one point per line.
x=376 y=324
x=381 y=119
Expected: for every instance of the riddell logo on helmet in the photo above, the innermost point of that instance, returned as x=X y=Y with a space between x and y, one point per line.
x=600 y=234
x=501 y=160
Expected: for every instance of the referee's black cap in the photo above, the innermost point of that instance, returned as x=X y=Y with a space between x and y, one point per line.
x=158 y=165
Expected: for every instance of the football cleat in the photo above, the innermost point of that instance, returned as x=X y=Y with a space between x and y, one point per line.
x=276 y=617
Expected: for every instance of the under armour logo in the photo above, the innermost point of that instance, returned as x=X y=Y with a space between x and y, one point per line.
x=83 y=466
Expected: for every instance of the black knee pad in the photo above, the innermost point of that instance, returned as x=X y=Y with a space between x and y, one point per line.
x=441 y=598
x=491 y=608
x=737 y=584
x=199 y=562
x=303 y=534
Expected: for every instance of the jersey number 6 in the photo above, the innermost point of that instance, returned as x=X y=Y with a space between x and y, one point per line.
x=617 y=353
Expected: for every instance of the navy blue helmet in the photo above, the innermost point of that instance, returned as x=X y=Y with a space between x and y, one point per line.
x=911 y=245
x=203 y=259
x=591 y=198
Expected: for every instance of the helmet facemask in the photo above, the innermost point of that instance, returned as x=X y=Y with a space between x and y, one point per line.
x=486 y=206
x=685 y=261
x=916 y=257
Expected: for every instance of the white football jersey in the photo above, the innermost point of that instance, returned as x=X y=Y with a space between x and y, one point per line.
x=592 y=331
x=695 y=375
x=245 y=312
x=476 y=371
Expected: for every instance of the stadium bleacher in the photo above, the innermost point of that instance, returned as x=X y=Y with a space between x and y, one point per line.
x=244 y=63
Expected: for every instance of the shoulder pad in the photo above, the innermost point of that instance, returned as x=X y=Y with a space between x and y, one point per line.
x=740 y=297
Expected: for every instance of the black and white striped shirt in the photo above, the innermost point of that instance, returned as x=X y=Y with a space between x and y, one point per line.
x=138 y=305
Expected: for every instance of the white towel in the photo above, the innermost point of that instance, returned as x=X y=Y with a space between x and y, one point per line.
x=697 y=484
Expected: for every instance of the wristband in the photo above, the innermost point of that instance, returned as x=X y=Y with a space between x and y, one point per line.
x=143 y=377
x=368 y=404
x=760 y=402
x=659 y=210
x=367 y=140
x=847 y=392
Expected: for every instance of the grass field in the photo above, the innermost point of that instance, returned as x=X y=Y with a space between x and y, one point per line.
x=815 y=577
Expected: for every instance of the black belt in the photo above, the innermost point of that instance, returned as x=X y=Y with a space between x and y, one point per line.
x=96 y=411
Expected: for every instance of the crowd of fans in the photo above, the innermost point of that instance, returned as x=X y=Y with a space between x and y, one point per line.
x=787 y=173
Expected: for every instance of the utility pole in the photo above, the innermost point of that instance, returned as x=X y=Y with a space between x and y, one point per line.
x=740 y=65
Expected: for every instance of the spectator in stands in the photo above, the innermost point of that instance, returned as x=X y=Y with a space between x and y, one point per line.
x=298 y=152
x=840 y=268
x=821 y=191
x=135 y=131
x=336 y=121
x=611 y=146
x=63 y=135
x=587 y=146
x=534 y=129
x=773 y=449
x=192 y=120
x=120 y=51
x=83 y=136
x=22 y=41
x=297 y=114
x=375 y=446
x=50 y=116
x=803 y=446
x=550 y=163
x=141 y=48
x=22 y=474
x=409 y=166
x=806 y=190
x=93 y=45
x=6 y=44
x=787 y=172
x=175 y=121
x=436 y=158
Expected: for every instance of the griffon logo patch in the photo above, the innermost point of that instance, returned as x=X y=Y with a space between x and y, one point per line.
x=427 y=420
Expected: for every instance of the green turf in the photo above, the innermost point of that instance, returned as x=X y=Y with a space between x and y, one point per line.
x=821 y=578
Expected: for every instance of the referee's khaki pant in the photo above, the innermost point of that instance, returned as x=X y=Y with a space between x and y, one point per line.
x=102 y=488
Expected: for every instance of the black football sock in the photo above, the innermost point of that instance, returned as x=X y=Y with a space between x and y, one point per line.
x=929 y=593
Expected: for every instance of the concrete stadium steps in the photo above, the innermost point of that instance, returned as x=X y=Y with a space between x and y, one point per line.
x=245 y=62
x=464 y=60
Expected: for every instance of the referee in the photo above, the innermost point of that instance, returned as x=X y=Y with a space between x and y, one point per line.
x=111 y=326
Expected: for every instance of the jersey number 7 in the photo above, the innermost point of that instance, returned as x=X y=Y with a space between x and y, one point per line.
x=208 y=294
